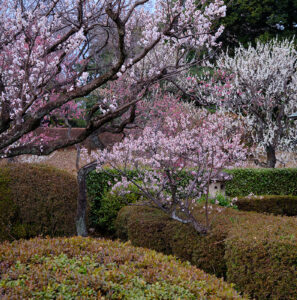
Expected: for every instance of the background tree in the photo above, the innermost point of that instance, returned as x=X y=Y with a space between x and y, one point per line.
x=259 y=86
x=249 y=20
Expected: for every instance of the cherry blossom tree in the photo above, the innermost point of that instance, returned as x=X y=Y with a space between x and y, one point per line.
x=166 y=150
x=48 y=51
x=259 y=85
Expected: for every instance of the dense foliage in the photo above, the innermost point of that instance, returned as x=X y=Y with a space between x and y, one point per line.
x=273 y=204
x=36 y=200
x=264 y=250
x=100 y=269
x=262 y=182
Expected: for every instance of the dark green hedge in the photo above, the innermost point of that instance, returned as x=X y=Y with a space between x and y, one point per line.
x=103 y=205
x=215 y=253
x=272 y=204
x=262 y=182
x=36 y=200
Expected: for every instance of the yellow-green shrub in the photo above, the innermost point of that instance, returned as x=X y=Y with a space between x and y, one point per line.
x=85 y=268
x=36 y=200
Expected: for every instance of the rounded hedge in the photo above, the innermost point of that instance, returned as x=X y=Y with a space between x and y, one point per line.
x=36 y=200
x=257 y=252
x=86 y=268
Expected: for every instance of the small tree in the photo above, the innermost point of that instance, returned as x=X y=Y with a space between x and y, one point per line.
x=168 y=150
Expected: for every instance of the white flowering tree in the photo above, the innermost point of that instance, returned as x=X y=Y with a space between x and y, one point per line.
x=167 y=150
x=259 y=84
x=48 y=49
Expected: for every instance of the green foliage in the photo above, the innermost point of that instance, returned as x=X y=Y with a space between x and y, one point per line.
x=85 y=268
x=272 y=204
x=262 y=182
x=222 y=200
x=227 y=248
x=151 y=228
x=110 y=205
x=99 y=185
x=36 y=200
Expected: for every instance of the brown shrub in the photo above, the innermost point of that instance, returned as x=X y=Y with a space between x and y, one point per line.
x=272 y=204
x=36 y=200
x=256 y=252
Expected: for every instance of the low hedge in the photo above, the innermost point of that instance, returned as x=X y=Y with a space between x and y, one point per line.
x=262 y=182
x=273 y=204
x=36 y=200
x=149 y=227
x=85 y=268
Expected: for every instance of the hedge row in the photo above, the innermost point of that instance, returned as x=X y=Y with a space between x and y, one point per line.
x=277 y=205
x=85 y=268
x=36 y=200
x=262 y=182
x=256 y=252
x=244 y=182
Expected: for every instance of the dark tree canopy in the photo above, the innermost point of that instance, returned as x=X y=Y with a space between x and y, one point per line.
x=249 y=20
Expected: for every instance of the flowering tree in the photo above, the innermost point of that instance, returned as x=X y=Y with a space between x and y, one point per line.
x=48 y=49
x=260 y=86
x=164 y=151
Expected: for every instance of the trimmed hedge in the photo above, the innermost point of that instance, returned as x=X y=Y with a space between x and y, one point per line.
x=36 y=200
x=262 y=182
x=261 y=257
x=85 y=268
x=214 y=253
x=272 y=204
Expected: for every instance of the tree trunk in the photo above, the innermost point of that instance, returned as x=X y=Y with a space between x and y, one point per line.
x=271 y=157
x=82 y=174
